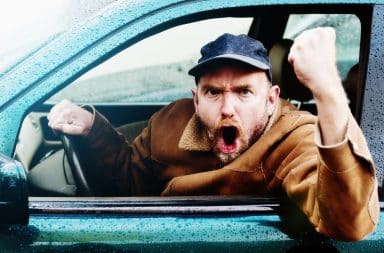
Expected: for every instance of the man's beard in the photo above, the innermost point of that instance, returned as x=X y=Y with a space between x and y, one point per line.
x=235 y=131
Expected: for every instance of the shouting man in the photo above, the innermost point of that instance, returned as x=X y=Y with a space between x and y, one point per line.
x=238 y=137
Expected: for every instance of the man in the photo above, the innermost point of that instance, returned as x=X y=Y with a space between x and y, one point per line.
x=238 y=137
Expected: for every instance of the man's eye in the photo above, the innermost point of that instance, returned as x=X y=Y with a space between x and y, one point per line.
x=245 y=92
x=212 y=92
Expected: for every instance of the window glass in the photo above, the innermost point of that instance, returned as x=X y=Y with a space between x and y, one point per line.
x=153 y=70
x=348 y=30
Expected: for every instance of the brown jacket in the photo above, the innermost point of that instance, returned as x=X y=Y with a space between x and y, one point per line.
x=334 y=186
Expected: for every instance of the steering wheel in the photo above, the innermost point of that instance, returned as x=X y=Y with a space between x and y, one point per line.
x=77 y=166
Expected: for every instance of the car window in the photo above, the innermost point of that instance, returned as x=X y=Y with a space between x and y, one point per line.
x=153 y=70
x=348 y=30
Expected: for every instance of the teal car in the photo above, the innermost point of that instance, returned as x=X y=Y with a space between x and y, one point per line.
x=129 y=59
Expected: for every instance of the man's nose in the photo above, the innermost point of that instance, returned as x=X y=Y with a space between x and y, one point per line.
x=228 y=106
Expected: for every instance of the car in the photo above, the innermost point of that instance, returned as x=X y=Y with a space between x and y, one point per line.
x=129 y=59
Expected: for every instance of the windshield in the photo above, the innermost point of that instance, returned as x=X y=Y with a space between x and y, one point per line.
x=27 y=25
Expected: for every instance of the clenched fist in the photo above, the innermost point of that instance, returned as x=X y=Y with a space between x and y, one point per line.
x=69 y=118
x=313 y=57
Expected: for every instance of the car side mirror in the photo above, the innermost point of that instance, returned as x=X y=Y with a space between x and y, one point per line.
x=13 y=192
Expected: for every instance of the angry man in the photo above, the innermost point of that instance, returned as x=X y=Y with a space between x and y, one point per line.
x=237 y=137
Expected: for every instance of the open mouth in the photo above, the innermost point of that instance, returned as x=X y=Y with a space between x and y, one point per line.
x=229 y=135
x=228 y=138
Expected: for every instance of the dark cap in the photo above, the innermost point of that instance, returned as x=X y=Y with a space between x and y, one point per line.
x=240 y=48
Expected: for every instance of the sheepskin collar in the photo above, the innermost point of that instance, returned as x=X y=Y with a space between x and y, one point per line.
x=195 y=137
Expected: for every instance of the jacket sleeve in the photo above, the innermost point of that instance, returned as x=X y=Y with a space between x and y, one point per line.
x=108 y=157
x=340 y=197
x=334 y=186
x=118 y=167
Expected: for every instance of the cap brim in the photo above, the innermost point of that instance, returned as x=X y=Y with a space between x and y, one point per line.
x=200 y=67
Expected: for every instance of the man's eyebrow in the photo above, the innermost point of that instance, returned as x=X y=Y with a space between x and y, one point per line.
x=205 y=86
x=242 y=86
x=218 y=87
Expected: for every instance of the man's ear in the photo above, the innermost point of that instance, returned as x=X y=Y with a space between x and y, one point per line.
x=273 y=98
x=195 y=99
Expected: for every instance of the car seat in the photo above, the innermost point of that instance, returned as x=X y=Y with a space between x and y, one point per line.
x=132 y=130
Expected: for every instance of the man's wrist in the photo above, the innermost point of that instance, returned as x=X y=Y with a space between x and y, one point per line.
x=91 y=109
x=329 y=90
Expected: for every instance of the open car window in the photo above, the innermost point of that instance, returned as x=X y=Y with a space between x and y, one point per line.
x=144 y=77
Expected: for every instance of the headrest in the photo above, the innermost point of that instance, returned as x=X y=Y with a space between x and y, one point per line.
x=284 y=75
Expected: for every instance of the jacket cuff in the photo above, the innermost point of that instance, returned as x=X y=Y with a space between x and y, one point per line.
x=99 y=125
x=353 y=145
x=92 y=110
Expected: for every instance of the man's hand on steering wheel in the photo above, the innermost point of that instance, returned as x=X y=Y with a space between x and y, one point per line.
x=71 y=119
x=68 y=119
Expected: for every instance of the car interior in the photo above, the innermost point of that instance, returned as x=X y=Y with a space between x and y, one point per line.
x=40 y=150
